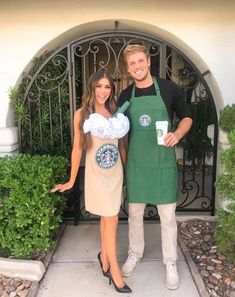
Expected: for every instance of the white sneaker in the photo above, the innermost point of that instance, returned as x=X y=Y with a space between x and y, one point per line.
x=172 y=278
x=131 y=262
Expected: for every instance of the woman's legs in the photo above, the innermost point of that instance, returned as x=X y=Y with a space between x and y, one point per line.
x=108 y=243
x=104 y=258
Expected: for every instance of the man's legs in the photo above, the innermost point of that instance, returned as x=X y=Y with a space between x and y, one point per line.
x=136 y=238
x=169 y=243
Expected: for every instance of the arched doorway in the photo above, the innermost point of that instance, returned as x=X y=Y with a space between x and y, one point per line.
x=53 y=93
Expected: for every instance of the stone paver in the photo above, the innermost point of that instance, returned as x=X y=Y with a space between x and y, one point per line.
x=75 y=270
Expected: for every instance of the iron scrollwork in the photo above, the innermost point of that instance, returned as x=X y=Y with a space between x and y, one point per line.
x=111 y=49
x=56 y=87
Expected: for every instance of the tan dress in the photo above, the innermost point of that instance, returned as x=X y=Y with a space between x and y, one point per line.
x=103 y=177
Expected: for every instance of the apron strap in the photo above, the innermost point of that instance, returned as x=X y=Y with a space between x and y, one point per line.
x=157 y=89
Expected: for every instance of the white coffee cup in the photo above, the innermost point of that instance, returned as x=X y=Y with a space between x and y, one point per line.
x=161 y=130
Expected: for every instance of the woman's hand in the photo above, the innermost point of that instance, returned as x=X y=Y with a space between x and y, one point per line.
x=62 y=187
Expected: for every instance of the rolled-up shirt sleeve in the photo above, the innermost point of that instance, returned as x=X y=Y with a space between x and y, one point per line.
x=180 y=106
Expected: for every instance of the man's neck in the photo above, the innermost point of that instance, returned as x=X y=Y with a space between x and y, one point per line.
x=147 y=82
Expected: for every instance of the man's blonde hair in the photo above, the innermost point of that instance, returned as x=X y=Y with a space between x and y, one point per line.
x=134 y=48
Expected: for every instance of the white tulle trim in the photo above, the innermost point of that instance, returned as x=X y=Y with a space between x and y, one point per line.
x=115 y=127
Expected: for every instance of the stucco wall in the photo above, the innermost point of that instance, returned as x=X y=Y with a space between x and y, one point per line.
x=203 y=30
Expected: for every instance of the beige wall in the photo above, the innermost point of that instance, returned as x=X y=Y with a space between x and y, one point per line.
x=203 y=30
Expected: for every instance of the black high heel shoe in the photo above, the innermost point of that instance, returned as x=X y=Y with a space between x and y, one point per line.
x=124 y=289
x=105 y=273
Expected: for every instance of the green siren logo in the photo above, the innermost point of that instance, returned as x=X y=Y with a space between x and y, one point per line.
x=145 y=120
x=107 y=155
x=160 y=132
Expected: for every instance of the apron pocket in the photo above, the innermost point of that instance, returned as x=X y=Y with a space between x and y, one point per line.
x=130 y=173
x=169 y=176
x=167 y=157
x=147 y=181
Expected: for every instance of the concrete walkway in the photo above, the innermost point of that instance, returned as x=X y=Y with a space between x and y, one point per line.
x=75 y=271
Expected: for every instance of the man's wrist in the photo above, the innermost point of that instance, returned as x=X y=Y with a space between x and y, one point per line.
x=178 y=135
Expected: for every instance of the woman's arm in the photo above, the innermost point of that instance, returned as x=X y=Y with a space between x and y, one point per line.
x=75 y=156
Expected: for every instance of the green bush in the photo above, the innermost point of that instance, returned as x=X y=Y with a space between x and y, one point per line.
x=29 y=214
x=227 y=118
x=225 y=232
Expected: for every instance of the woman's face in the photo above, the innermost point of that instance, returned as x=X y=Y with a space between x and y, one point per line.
x=102 y=91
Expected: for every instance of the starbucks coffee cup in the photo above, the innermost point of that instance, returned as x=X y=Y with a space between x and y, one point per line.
x=161 y=130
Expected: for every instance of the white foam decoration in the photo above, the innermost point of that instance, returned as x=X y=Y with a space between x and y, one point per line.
x=99 y=126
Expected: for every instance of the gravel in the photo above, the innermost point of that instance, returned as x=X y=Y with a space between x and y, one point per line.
x=14 y=287
x=216 y=271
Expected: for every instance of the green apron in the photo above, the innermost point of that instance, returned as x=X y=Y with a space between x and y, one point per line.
x=151 y=171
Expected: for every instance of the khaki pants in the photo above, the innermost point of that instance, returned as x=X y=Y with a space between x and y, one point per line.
x=168 y=230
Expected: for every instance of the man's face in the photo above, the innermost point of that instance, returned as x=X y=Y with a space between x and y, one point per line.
x=138 y=66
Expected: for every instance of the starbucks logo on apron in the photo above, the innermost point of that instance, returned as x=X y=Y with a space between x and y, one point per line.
x=145 y=120
x=107 y=155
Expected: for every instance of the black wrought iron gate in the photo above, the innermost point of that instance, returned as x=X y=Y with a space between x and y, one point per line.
x=53 y=91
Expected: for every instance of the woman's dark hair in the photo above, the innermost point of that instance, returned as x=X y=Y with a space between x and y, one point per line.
x=88 y=101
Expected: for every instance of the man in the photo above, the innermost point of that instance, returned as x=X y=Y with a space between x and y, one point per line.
x=151 y=170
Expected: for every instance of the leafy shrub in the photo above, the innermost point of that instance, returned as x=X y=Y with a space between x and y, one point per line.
x=225 y=232
x=29 y=214
x=227 y=118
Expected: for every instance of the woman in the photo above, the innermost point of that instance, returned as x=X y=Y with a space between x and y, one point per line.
x=100 y=133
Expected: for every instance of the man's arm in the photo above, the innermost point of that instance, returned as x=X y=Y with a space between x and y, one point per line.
x=123 y=143
x=172 y=138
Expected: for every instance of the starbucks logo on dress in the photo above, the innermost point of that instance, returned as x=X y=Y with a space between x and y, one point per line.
x=107 y=155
